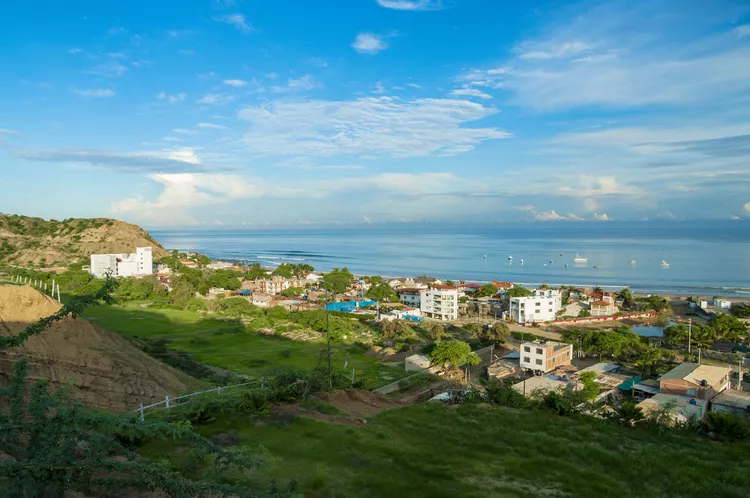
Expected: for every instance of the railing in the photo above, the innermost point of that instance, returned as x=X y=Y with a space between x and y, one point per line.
x=172 y=402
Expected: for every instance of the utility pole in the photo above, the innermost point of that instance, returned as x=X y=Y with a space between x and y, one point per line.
x=328 y=333
x=739 y=374
x=690 y=333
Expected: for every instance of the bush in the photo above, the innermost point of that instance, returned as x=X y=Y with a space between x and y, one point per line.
x=725 y=427
x=504 y=395
x=562 y=401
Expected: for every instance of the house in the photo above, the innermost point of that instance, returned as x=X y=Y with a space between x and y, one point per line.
x=722 y=304
x=275 y=285
x=220 y=265
x=539 y=383
x=410 y=297
x=502 y=286
x=545 y=357
x=468 y=288
x=682 y=408
x=252 y=285
x=189 y=263
x=313 y=278
x=540 y=307
x=731 y=401
x=261 y=299
x=603 y=308
x=396 y=283
x=430 y=281
x=703 y=304
x=439 y=302
x=407 y=313
x=506 y=366
x=602 y=368
x=162 y=268
x=123 y=265
x=702 y=382
x=218 y=292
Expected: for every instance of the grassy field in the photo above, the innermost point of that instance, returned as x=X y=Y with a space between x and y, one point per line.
x=481 y=451
x=218 y=343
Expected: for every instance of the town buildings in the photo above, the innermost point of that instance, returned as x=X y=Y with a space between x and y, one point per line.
x=603 y=307
x=541 y=307
x=410 y=297
x=439 y=302
x=545 y=357
x=123 y=265
x=695 y=380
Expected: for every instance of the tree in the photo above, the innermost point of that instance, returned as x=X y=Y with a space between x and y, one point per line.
x=725 y=426
x=625 y=294
x=497 y=332
x=584 y=313
x=628 y=414
x=396 y=329
x=450 y=282
x=544 y=286
x=590 y=387
x=519 y=291
x=337 y=281
x=382 y=292
x=728 y=327
x=293 y=291
x=487 y=290
x=453 y=353
x=436 y=331
x=182 y=292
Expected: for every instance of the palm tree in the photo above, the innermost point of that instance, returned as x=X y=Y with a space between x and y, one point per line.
x=628 y=414
x=725 y=426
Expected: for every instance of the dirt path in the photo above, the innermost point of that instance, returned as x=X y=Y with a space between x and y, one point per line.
x=354 y=407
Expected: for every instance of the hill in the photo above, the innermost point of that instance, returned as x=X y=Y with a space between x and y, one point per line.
x=38 y=242
x=104 y=369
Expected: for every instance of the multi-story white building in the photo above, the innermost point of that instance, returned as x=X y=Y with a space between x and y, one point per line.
x=410 y=297
x=440 y=302
x=541 y=307
x=545 y=357
x=123 y=265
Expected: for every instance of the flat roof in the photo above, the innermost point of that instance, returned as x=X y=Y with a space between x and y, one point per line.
x=737 y=399
x=682 y=403
x=695 y=373
x=600 y=368
x=539 y=382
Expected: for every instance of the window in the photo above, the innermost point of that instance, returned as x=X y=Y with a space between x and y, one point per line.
x=550 y=310
x=539 y=351
x=538 y=362
x=527 y=349
x=537 y=311
x=538 y=304
x=526 y=359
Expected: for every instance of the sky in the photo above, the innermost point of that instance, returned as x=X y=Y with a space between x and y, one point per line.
x=303 y=112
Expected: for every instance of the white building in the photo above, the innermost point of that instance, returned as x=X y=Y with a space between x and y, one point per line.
x=541 y=307
x=410 y=297
x=545 y=357
x=123 y=265
x=722 y=304
x=440 y=302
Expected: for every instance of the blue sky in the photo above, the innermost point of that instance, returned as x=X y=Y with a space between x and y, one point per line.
x=298 y=112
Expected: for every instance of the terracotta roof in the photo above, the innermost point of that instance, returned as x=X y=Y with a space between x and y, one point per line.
x=472 y=286
x=502 y=285
x=601 y=303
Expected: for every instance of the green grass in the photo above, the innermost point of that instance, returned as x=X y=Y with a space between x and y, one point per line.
x=218 y=343
x=480 y=451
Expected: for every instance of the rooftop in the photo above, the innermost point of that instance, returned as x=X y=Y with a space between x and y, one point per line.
x=681 y=403
x=502 y=285
x=601 y=368
x=539 y=382
x=736 y=399
x=695 y=373
x=444 y=287
x=602 y=303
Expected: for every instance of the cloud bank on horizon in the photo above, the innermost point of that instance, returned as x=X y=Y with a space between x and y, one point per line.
x=377 y=111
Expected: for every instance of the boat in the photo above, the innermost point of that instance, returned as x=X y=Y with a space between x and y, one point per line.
x=550 y=261
x=579 y=259
x=664 y=264
x=631 y=262
x=521 y=262
x=566 y=265
x=485 y=256
x=596 y=266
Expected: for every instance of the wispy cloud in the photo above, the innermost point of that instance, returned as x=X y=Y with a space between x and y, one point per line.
x=235 y=83
x=110 y=69
x=178 y=97
x=316 y=61
x=369 y=43
x=184 y=131
x=306 y=82
x=411 y=4
x=75 y=51
x=742 y=31
x=212 y=126
x=175 y=160
x=8 y=132
x=236 y=20
x=386 y=126
x=94 y=92
x=471 y=92
x=216 y=99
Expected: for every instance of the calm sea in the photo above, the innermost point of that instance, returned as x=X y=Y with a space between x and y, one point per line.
x=705 y=258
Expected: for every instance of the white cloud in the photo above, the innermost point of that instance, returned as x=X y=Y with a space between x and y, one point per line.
x=110 y=69
x=471 y=92
x=746 y=208
x=212 y=126
x=378 y=88
x=304 y=83
x=75 y=51
x=734 y=217
x=235 y=83
x=549 y=216
x=179 y=97
x=317 y=62
x=374 y=125
x=411 y=4
x=216 y=99
x=183 y=131
x=742 y=31
x=369 y=43
x=574 y=217
x=413 y=85
x=6 y=131
x=597 y=186
x=556 y=51
x=236 y=20
x=602 y=217
x=528 y=208
x=94 y=92
x=161 y=161
x=206 y=76
x=171 y=139
x=183 y=51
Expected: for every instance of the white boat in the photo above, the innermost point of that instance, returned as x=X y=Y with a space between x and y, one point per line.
x=521 y=262
x=631 y=262
x=579 y=259
x=485 y=256
x=664 y=264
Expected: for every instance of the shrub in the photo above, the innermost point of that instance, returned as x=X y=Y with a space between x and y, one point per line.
x=725 y=427
x=504 y=395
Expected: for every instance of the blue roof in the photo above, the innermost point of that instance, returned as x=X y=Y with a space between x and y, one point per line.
x=628 y=384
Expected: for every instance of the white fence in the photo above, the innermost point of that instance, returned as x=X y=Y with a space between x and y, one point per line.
x=172 y=402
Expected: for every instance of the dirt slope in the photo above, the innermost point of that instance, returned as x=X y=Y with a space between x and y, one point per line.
x=104 y=369
x=34 y=241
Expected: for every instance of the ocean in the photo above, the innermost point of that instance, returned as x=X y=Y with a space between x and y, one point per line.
x=705 y=258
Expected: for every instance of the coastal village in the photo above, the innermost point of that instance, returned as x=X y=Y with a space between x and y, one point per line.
x=272 y=342
x=544 y=363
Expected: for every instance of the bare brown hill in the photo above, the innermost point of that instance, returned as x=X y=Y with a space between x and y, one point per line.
x=103 y=369
x=35 y=241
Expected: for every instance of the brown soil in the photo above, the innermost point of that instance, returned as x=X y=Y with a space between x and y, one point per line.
x=358 y=402
x=103 y=369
